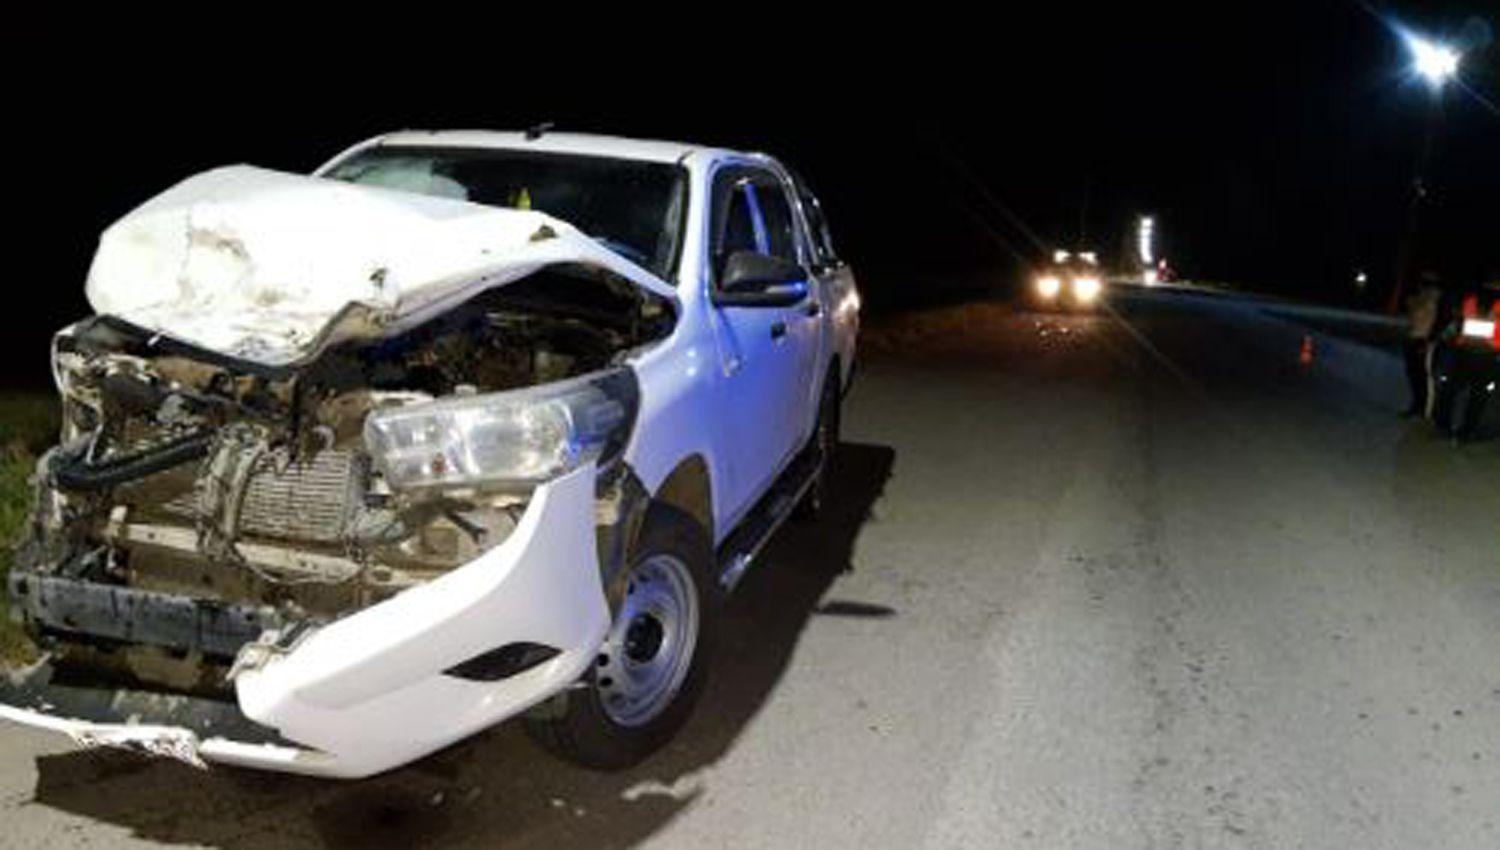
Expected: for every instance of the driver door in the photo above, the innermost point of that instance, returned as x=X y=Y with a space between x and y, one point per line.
x=758 y=357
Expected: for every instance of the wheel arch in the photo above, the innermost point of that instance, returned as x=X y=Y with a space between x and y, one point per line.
x=689 y=488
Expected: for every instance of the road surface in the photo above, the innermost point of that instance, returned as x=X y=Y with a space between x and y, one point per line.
x=1129 y=581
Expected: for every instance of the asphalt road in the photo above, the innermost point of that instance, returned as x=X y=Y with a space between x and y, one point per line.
x=1126 y=581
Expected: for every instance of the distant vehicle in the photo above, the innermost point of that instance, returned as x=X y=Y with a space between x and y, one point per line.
x=1071 y=280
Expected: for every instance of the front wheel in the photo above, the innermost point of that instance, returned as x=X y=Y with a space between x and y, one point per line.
x=652 y=664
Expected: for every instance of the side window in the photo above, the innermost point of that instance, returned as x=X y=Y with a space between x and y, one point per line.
x=734 y=221
x=822 y=239
x=751 y=212
x=739 y=222
x=776 y=213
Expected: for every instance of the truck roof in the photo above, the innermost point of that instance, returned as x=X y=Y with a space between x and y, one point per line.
x=584 y=144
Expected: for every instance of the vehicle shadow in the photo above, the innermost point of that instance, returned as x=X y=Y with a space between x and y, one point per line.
x=499 y=789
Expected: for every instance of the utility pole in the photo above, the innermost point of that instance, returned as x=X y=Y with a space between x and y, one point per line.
x=1406 y=248
x=1437 y=64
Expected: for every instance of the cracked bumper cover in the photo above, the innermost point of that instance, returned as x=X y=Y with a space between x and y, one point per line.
x=367 y=693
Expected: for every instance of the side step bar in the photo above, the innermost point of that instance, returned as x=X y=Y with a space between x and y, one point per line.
x=740 y=548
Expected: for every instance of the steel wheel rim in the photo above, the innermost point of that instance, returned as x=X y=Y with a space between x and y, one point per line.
x=649 y=649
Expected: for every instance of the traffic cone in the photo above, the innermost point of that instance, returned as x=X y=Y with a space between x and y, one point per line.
x=1305 y=357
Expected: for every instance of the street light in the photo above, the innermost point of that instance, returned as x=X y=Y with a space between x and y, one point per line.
x=1435 y=62
x=1145 y=239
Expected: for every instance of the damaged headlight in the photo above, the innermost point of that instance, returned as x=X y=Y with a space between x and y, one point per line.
x=508 y=440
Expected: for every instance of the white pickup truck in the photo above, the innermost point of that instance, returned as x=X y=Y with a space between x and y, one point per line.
x=467 y=425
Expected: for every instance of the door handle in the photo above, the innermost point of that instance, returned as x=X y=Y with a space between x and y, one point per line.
x=778 y=329
x=812 y=309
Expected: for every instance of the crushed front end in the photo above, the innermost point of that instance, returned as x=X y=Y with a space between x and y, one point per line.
x=338 y=566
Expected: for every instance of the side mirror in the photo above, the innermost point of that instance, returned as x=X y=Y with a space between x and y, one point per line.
x=753 y=279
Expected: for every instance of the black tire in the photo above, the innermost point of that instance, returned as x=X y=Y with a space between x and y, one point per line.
x=585 y=729
x=825 y=440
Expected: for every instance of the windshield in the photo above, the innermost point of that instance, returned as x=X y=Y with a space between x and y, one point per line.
x=633 y=208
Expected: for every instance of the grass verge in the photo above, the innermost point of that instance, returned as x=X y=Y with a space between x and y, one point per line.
x=28 y=425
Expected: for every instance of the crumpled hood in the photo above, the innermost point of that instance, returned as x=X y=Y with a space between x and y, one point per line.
x=269 y=266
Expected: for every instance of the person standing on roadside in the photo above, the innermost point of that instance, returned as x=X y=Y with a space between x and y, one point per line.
x=1421 y=332
x=1467 y=362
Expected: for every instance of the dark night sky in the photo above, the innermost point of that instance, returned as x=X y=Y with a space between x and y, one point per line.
x=1275 y=142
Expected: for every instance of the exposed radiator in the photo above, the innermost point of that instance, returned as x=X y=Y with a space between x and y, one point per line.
x=308 y=500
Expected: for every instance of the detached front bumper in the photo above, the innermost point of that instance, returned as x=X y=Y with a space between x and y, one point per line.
x=369 y=692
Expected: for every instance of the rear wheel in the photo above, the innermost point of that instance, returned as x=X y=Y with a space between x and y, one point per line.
x=825 y=441
x=652 y=664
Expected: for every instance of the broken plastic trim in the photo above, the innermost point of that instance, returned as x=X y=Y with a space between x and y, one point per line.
x=47 y=690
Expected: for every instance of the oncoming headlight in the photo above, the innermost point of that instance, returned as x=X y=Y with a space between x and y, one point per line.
x=1048 y=286
x=1086 y=288
x=507 y=440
